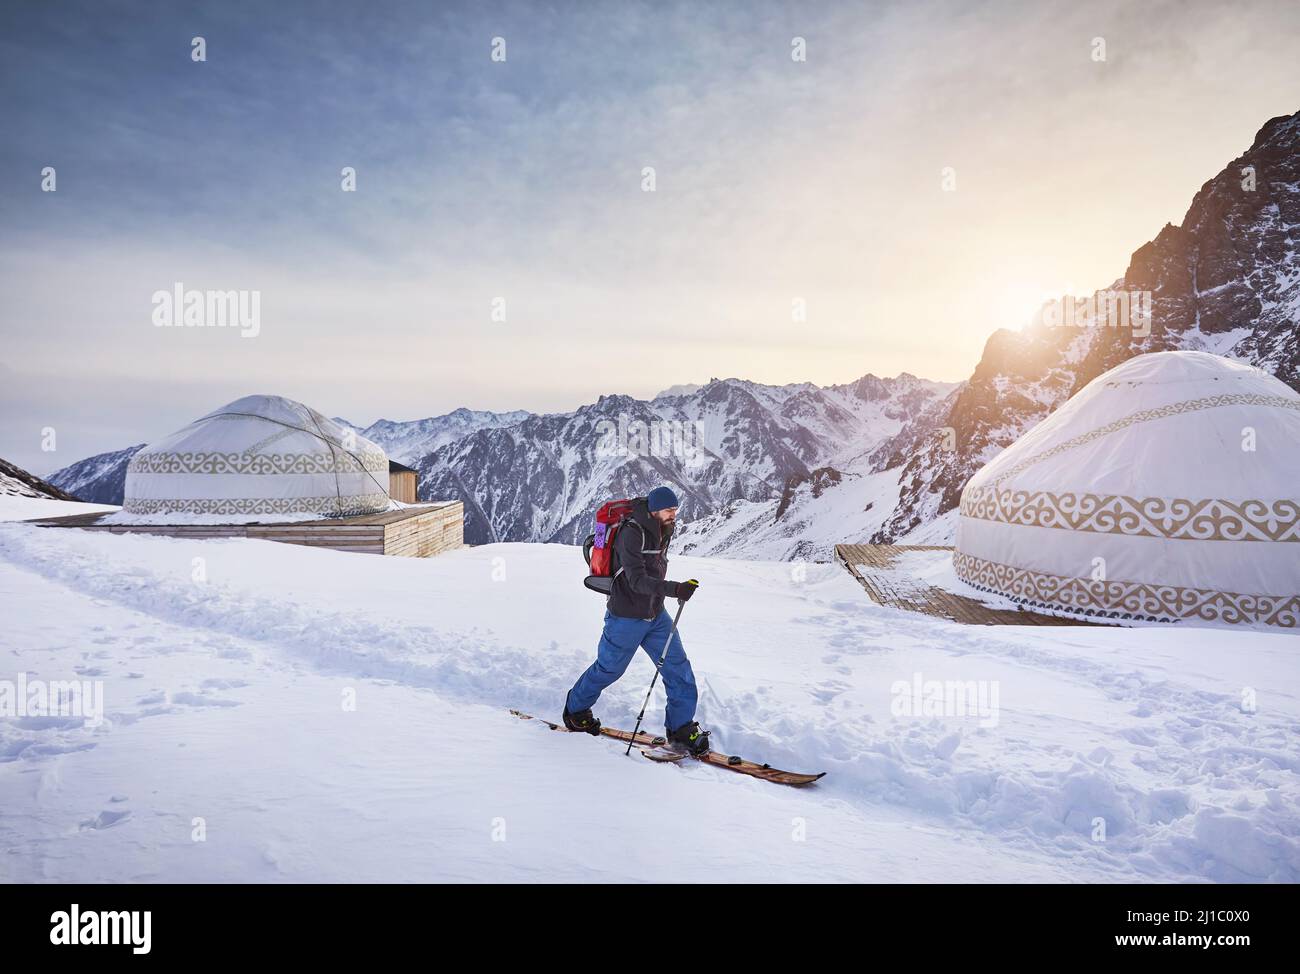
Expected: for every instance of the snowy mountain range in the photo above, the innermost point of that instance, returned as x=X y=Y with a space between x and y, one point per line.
x=728 y=442
x=407 y=442
x=785 y=472
x=99 y=479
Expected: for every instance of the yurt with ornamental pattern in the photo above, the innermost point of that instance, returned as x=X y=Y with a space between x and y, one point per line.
x=260 y=456
x=1167 y=490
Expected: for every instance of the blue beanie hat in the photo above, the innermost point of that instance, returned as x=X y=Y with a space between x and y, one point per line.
x=661 y=497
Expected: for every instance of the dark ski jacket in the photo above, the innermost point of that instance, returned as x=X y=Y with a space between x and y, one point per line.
x=640 y=566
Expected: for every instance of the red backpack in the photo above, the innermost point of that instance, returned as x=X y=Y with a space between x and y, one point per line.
x=598 y=549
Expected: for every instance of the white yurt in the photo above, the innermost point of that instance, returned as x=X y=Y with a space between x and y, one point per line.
x=1166 y=489
x=260 y=455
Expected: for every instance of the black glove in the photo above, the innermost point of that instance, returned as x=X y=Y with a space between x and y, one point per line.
x=684 y=590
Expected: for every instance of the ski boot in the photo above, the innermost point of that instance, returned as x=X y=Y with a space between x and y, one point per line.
x=691 y=739
x=582 y=721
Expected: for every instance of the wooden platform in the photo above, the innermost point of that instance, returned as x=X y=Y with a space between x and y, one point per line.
x=414 y=532
x=875 y=568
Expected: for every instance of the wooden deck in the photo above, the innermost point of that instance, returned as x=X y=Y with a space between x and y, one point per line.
x=414 y=532
x=875 y=568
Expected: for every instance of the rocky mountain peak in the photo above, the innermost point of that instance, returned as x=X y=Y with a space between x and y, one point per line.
x=1227 y=280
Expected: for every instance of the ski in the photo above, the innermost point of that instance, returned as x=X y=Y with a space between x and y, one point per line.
x=764 y=771
x=655 y=748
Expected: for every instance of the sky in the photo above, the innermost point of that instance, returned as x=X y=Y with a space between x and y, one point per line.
x=929 y=173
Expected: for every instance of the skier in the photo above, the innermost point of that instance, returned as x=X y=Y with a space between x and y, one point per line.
x=635 y=617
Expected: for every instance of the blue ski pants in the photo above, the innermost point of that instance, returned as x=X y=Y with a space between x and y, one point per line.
x=618 y=644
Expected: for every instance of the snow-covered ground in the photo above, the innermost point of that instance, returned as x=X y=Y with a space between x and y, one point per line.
x=227 y=667
x=13 y=508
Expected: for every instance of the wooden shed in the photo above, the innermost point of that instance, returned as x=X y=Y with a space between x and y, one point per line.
x=401 y=482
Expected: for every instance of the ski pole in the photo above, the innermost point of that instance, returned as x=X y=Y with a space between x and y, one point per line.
x=681 y=604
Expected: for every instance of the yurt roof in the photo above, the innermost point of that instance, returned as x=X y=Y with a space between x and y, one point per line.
x=1163 y=423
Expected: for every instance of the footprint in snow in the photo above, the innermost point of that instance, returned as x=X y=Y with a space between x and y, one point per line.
x=60 y=748
x=12 y=750
x=50 y=723
x=152 y=711
x=827 y=692
x=199 y=700
x=105 y=820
